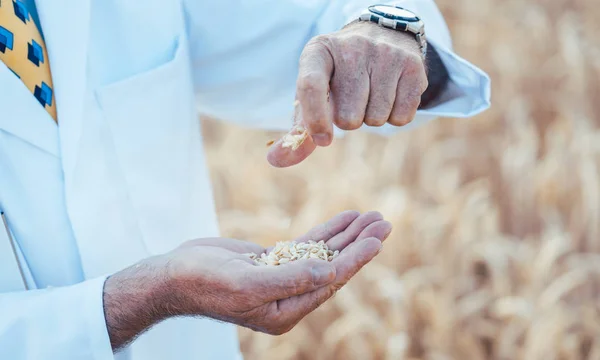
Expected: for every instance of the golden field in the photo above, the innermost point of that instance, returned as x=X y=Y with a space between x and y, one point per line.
x=495 y=252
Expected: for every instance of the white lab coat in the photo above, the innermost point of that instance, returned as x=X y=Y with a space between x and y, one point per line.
x=124 y=175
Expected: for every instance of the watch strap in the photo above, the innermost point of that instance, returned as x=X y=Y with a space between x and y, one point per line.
x=414 y=27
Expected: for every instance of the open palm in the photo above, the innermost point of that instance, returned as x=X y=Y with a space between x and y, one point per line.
x=229 y=286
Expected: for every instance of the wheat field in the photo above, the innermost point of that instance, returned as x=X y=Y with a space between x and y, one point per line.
x=495 y=252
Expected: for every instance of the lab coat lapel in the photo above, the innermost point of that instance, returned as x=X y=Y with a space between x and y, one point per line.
x=23 y=117
x=66 y=28
x=65 y=24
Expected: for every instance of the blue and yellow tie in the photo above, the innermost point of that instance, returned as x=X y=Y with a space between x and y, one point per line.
x=23 y=51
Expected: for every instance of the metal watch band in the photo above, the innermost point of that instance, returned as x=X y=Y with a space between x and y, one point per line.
x=416 y=28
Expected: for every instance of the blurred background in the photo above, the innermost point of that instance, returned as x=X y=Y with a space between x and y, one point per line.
x=495 y=252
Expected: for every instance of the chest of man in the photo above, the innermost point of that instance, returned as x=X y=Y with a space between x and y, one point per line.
x=122 y=176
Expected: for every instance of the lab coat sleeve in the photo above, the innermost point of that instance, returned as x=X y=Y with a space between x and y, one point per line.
x=55 y=324
x=245 y=57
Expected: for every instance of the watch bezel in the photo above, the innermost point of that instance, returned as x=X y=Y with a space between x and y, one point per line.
x=373 y=10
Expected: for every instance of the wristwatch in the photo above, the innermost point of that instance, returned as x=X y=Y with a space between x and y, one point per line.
x=397 y=18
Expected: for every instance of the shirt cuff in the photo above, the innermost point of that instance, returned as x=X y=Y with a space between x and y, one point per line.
x=99 y=341
x=468 y=92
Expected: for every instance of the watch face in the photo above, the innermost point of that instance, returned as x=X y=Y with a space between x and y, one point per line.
x=393 y=12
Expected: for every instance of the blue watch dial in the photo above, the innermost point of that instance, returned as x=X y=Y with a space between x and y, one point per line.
x=393 y=12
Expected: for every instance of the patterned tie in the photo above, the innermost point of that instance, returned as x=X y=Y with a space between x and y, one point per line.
x=23 y=51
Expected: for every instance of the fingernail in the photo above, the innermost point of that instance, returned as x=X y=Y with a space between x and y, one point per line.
x=322 y=139
x=323 y=274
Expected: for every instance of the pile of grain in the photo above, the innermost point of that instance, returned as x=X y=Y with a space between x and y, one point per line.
x=285 y=252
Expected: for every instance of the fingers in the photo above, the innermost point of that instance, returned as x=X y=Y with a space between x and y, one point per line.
x=363 y=74
x=350 y=83
x=337 y=226
x=349 y=235
x=296 y=291
x=330 y=228
x=293 y=279
x=316 y=69
x=305 y=276
x=347 y=265
x=238 y=246
x=350 y=261
x=412 y=84
x=384 y=85
x=379 y=230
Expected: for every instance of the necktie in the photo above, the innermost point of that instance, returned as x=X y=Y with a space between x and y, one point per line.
x=23 y=51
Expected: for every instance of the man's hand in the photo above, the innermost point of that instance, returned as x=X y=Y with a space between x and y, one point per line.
x=213 y=278
x=361 y=74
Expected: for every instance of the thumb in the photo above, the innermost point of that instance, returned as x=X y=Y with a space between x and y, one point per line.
x=293 y=279
x=284 y=153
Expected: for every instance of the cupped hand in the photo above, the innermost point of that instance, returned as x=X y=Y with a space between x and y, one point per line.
x=215 y=277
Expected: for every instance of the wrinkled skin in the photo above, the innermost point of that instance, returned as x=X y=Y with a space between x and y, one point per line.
x=363 y=74
x=274 y=299
x=213 y=278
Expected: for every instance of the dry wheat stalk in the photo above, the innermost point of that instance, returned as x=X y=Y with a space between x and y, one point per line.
x=285 y=252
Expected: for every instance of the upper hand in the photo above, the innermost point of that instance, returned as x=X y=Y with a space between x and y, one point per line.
x=363 y=74
x=213 y=277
